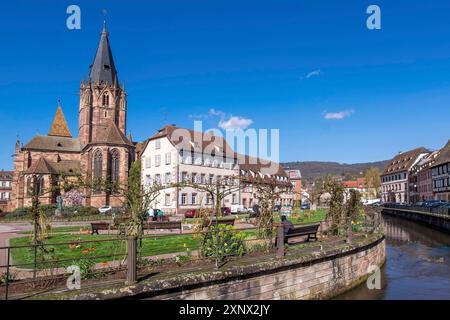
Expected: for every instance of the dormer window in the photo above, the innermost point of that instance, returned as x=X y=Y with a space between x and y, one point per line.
x=106 y=67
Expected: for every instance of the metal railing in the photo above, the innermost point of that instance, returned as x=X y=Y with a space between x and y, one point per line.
x=443 y=211
x=33 y=268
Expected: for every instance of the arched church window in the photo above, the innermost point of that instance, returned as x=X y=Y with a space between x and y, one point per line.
x=40 y=184
x=29 y=185
x=114 y=166
x=97 y=171
x=105 y=101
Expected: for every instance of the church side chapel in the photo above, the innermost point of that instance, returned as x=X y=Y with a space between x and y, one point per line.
x=101 y=150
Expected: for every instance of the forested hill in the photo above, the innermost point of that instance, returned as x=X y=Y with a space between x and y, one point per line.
x=313 y=169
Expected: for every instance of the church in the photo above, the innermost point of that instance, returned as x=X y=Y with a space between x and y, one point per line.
x=101 y=151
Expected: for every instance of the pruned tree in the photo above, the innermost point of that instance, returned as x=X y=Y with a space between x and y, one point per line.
x=268 y=191
x=373 y=182
x=352 y=209
x=335 y=212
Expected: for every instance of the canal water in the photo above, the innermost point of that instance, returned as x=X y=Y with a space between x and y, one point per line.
x=417 y=264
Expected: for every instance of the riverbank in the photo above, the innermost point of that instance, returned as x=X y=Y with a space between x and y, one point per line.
x=417 y=264
x=440 y=222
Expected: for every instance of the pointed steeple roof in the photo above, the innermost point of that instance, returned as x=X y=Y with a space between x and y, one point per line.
x=59 y=126
x=103 y=69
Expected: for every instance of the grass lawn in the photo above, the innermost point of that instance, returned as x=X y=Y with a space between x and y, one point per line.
x=61 y=229
x=306 y=216
x=150 y=246
x=27 y=218
x=73 y=252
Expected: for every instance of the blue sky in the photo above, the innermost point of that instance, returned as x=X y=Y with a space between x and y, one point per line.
x=369 y=94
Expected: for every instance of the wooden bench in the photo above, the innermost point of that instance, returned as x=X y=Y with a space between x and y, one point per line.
x=308 y=230
x=96 y=226
x=165 y=225
x=228 y=222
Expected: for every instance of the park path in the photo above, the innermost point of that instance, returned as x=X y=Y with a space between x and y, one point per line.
x=8 y=232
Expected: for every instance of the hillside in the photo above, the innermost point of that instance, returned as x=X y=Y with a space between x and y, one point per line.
x=313 y=169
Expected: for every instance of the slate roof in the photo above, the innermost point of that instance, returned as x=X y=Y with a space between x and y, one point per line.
x=403 y=161
x=103 y=70
x=53 y=143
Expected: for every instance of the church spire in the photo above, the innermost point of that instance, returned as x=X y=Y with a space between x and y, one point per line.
x=102 y=69
x=59 y=126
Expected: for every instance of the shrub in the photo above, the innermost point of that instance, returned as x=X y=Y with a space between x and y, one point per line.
x=3 y=277
x=80 y=211
x=225 y=243
x=49 y=209
x=19 y=212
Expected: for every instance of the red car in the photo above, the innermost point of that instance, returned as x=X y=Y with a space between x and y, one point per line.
x=191 y=213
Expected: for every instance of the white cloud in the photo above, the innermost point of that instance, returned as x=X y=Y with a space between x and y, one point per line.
x=314 y=73
x=227 y=121
x=234 y=123
x=338 y=115
x=214 y=112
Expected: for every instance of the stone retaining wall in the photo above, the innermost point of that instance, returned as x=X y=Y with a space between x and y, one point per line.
x=317 y=275
x=315 y=280
x=437 y=221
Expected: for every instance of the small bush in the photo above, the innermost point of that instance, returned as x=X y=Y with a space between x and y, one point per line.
x=226 y=243
x=80 y=211
x=3 y=277
x=18 y=213
x=49 y=209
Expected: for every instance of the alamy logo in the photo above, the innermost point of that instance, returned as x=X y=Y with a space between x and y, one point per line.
x=73 y=21
x=74 y=280
x=262 y=142
x=374 y=280
x=374 y=20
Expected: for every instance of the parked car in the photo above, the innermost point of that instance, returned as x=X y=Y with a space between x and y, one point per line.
x=105 y=209
x=244 y=210
x=237 y=208
x=191 y=213
x=286 y=210
x=434 y=203
x=375 y=205
x=305 y=206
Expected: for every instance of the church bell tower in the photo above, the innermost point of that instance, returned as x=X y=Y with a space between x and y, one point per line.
x=102 y=100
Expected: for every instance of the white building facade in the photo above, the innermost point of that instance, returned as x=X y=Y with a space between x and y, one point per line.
x=175 y=155
x=395 y=177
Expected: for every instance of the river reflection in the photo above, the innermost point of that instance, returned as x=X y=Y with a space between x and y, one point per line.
x=417 y=266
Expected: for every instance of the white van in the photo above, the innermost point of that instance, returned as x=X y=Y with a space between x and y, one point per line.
x=237 y=208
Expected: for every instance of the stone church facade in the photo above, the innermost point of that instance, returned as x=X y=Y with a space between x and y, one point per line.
x=101 y=149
